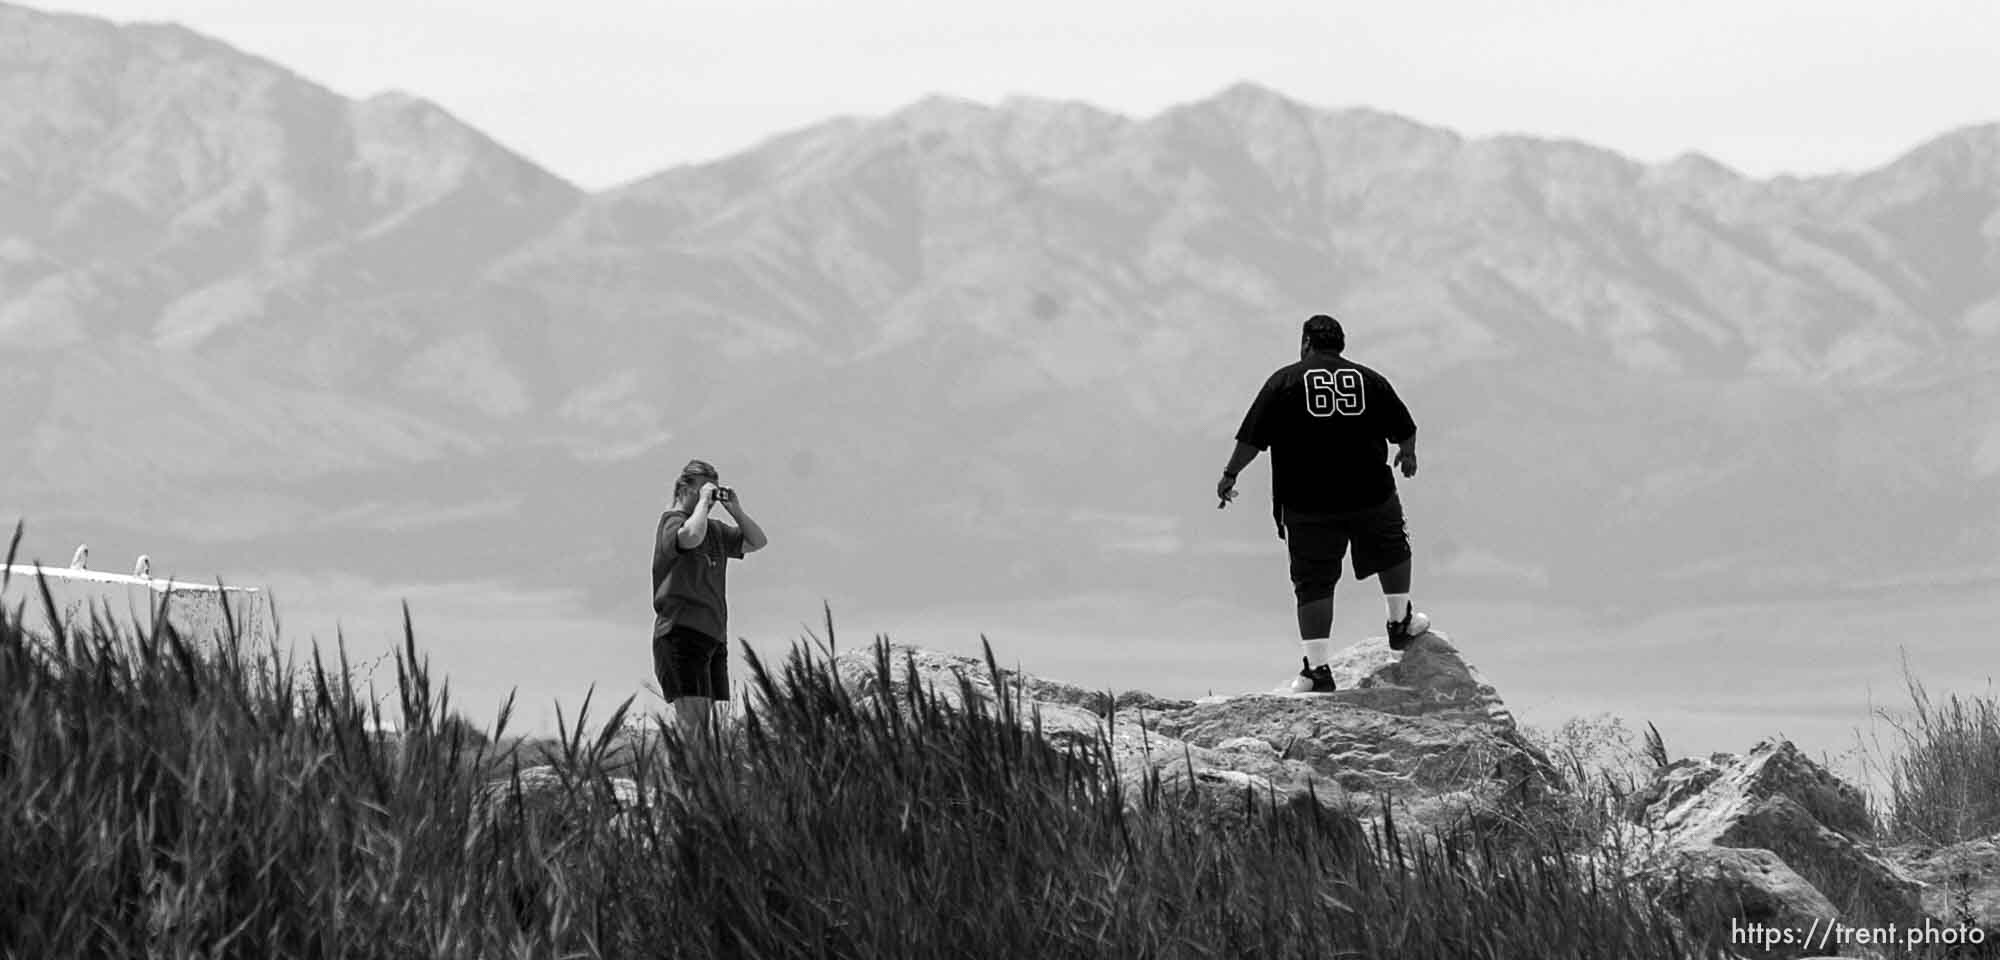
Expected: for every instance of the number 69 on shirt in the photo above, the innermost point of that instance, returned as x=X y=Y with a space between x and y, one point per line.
x=1338 y=391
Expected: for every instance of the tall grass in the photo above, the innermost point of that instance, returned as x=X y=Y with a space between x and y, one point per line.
x=163 y=797
x=1943 y=784
x=158 y=799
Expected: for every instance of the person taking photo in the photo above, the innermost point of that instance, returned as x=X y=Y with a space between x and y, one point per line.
x=691 y=554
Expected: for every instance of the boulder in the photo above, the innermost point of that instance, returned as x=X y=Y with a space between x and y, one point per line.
x=1771 y=837
x=1961 y=881
x=544 y=798
x=1429 y=679
x=1421 y=727
x=1750 y=885
x=1420 y=722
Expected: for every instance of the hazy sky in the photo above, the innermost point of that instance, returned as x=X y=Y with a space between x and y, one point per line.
x=602 y=91
x=607 y=91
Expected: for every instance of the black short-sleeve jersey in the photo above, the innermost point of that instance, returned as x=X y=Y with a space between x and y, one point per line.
x=1328 y=422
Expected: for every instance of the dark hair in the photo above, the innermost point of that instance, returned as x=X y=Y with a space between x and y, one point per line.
x=1324 y=333
x=696 y=473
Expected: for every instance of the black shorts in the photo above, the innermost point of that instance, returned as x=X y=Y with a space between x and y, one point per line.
x=690 y=663
x=1316 y=542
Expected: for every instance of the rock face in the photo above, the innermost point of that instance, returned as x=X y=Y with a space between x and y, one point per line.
x=1773 y=837
x=1420 y=729
x=1961 y=881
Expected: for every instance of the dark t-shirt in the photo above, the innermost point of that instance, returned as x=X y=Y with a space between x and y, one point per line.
x=1328 y=423
x=688 y=585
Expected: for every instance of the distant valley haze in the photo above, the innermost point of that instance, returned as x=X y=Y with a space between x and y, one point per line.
x=1697 y=447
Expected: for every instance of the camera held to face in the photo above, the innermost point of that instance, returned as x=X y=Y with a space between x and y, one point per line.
x=724 y=494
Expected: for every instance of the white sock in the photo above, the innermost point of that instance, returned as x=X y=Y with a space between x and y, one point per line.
x=1399 y=604
x=1316 y=651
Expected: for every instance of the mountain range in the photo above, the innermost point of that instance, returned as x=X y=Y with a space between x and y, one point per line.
x=967 y=349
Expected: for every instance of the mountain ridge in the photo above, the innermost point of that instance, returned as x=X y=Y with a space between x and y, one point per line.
x=983 y=301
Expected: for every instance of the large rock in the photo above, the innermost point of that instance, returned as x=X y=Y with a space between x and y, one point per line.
x=1961 y=881
x=1420 y=727
x=1752 y=885
x=545 y=798
x=1429 y=679
x=1769 y=837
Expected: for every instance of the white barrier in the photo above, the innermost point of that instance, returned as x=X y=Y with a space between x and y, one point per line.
x=194 y=610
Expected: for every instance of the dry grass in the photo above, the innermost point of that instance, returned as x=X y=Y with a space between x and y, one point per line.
x=1943 y=783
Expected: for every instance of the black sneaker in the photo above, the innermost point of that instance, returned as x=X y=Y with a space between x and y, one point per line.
x=1412 y=626
x=1313 y=679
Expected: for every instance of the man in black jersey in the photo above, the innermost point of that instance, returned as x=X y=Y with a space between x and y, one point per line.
x=1328 y=422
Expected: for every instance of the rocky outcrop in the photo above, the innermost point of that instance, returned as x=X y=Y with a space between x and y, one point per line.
x=1961 y=881
x=1420 y=729
x=1768 y=837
